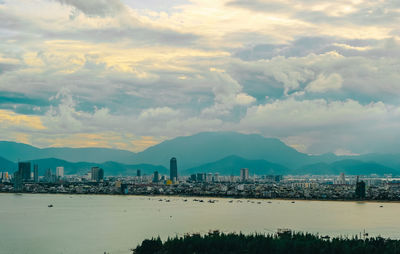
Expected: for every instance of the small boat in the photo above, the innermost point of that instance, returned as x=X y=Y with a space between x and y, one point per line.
x=381 y=206
x=230 y=201
x=293 y=202
x=50 y=205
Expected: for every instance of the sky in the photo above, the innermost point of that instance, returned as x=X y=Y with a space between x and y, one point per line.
x=321 y=76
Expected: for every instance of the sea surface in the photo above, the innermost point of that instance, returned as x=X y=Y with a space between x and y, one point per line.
x=114 y=224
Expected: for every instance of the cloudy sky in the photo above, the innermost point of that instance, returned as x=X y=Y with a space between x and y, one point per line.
x=321 y=76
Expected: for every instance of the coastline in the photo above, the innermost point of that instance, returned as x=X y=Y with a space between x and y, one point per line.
x=209 y=197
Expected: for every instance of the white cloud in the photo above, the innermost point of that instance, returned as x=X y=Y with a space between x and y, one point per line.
x=244 y=99
x=157 y=113
x=319 y=75
x=96 y=7
x=318 y=126
x=228 y=94
x=325 y=83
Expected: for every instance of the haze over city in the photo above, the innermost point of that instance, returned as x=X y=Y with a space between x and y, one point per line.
x=322 y=77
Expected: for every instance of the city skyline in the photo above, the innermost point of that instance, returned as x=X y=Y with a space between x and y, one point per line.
x=153 y=126
x=322 y=77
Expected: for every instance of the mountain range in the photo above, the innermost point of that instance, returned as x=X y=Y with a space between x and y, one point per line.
x=223 y=152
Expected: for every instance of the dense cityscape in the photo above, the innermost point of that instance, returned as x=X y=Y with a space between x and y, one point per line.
x=372 y=187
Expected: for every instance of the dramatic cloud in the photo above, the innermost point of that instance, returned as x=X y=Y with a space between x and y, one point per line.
x=323 y=77
x=323 y=84
x=100 y=8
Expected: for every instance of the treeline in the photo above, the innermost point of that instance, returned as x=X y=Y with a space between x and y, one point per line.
x=287 y=243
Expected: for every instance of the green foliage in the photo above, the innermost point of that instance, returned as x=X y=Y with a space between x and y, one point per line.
x=269 y=244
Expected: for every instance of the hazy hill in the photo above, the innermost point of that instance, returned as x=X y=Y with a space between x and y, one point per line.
x=389 y=160
x=351 y=167
x=6 y=165
x=205 y=148
x=231 y=165
x=110 y=168
x=18 y=151
x=192 y=151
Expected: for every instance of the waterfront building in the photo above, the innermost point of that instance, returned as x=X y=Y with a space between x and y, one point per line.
x=49 y=176
x=59 y=172
x=200 y=177
x=278 y=178
x=216 y=177
x=244 y=174
x=24 y=169
x=173 y=167
x=36 y=173
x=342 y=179
x=101 y=175
x=156 y=177
x=97 y=174
x=138 y=173
x=17 y=180
x=209 y=177
x=360 y=189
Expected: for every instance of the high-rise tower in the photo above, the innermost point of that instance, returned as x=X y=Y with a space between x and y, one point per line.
x=244 y=174
x=24 y=169
x=36 y=173
x=97 y=174
x=59 y=172
x=173 y=167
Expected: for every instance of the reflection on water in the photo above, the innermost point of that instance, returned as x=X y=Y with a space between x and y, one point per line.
x=95 y=224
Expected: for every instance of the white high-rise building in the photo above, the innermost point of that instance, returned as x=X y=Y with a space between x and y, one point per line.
x=244 y=174
x=342 y=179
x=59 y=172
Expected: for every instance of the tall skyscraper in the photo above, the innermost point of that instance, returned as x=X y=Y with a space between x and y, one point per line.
x=48 y=176
x=17 y=181
x=201 y=177
x=244 y=174
x=35 y=173
x=97 y=174
x=173 y=167
x=360 y=189
x=342 y=179
x=216 y=177
x=101 y=175
x=24 y=169
x=138 y=173
x=156 y=177
x=59 y=172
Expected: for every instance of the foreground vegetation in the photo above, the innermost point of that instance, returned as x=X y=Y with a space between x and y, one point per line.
x=286 y=243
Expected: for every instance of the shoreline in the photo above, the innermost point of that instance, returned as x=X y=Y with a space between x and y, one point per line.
x=208 y=197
